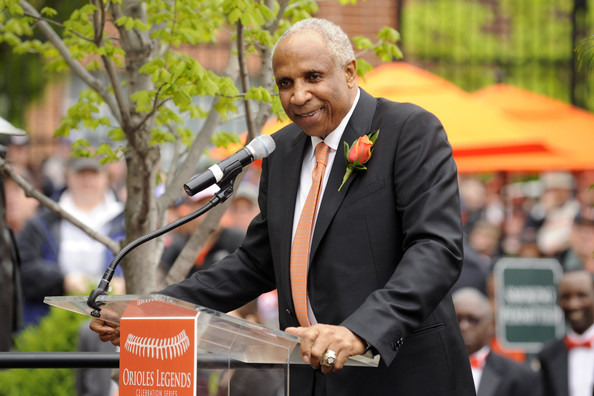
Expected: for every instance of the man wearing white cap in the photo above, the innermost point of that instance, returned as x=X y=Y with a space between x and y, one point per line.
x=57 y=257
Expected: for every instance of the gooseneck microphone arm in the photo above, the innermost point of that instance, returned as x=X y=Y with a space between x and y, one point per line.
x=226 y=185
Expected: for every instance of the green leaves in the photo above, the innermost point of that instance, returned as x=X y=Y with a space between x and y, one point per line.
x=82 y=113
x=384 y=48
x=153 y=98
x=363 y=67
x=224 y=138
x=131 y=23
x=252 y=14
x=259 y=94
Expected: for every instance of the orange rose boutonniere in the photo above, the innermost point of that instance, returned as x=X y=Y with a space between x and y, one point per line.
x=358 y=154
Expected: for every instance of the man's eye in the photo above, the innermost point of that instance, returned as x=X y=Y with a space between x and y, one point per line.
x=282 y=84
x=314 y=77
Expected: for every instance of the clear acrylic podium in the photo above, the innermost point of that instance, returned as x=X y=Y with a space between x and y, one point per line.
x=217 y=334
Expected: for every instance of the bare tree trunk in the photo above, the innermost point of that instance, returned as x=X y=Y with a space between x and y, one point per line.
x=142 y=160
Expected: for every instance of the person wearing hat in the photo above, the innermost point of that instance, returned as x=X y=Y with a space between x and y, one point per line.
x=552 y=216
x=57 y=257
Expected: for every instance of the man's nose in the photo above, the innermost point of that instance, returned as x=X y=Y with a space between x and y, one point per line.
x=301 y=94
x=574 y=303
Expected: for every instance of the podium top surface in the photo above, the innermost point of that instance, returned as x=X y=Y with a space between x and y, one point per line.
x=218 y=332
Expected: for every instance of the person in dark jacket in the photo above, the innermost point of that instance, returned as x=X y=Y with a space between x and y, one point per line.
x=567 y=364
x=494 y=374
x=386 y=242
x=57 y=257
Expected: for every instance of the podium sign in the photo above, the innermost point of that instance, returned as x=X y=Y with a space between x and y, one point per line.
x=163 y=340
x=526 y=294
x=158 y=350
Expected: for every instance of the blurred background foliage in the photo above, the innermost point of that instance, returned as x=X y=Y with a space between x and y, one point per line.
x=22 y=76
x=473 y=43
x=530 y=44
x=57 y=332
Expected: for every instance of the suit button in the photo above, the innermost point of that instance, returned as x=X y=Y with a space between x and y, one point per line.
x=397 y=344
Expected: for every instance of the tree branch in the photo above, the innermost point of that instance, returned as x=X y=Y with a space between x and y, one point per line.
x=31 y=191
x=98 y=26
x=266 y=77
x=200 y=141
x=156 y=106
x=75 y=66
x=245 y=83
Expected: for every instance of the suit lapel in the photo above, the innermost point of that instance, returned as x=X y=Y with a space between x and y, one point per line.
x=561 y=361
x=359 y=125
x=490 y=378
x=286 y=202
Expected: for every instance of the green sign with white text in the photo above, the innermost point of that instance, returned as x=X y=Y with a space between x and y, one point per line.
x=528 y=314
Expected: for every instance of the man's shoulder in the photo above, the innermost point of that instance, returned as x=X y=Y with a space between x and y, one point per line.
x=400 y=109
x=508 y=363
x=552 y=349
x=44 y=218
x=288 y=137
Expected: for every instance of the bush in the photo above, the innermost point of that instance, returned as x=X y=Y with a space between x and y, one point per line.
x=57 y=332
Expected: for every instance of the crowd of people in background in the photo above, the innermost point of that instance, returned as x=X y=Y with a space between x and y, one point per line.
x=546 y=215
x=537 y=215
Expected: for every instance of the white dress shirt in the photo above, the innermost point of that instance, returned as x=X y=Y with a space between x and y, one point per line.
x=477 y=372
x=78 y=252
x=581 y=365
x=309 y=162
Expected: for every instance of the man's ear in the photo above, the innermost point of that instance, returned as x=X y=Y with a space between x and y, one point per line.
x=350 y=73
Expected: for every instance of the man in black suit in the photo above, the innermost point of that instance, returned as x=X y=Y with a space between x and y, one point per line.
x=494 y=375
x=386 y=245
x=567 y=364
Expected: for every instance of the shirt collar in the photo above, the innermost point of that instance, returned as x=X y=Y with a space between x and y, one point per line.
x=481 y=353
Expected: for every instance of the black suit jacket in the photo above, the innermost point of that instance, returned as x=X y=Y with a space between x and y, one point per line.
x=554 y=368
x=385 y=252
x=505 y=377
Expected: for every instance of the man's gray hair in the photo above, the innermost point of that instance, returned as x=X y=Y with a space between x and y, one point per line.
x=338 y=43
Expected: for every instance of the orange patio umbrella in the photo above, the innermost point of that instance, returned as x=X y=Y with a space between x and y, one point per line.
x=567 y=130
x=472 y=127
x=475 y=130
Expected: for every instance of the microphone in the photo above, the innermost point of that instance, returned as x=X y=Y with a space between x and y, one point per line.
x=260 y=147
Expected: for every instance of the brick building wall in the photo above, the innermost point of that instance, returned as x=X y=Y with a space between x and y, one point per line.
x=362 y=19
x=365 y=18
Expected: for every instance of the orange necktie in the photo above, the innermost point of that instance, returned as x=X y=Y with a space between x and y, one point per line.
x=301 y=242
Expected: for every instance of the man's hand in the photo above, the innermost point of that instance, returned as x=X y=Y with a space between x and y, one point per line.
x=317 y=339
x=107 y=331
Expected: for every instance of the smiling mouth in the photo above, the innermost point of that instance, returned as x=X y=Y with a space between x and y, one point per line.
x=576 y=315
x=308 y=115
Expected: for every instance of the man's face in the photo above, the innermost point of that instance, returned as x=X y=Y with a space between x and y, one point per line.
x=475 y=324
x=87 y=183
x=315 y=93
x=576 y=299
